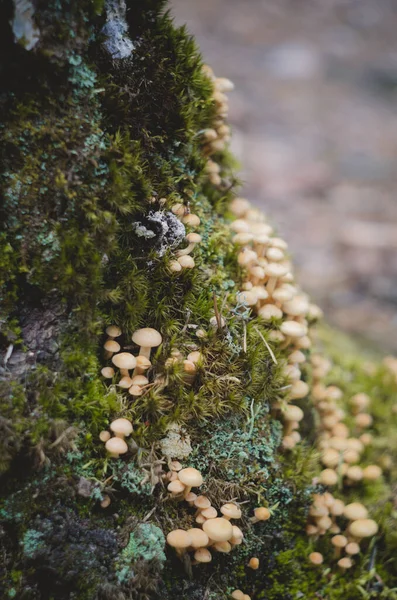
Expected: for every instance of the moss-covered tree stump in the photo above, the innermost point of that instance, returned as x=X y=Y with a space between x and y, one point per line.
x=119 y=213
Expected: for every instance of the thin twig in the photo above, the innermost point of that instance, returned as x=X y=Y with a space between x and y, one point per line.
x=217 y=315
x=267 y=345
x=244 y=337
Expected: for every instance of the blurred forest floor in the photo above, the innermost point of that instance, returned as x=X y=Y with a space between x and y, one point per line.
x=314 y=118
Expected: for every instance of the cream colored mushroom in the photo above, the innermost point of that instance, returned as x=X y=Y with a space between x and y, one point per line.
x=124 y=361
x=260 y=514
x=291 y=415
x=230 y=511
x=147 y=338
x=190 y=477
x=121 y=428
x=218 y=530
x=199 y=538
x=202 y=555
x=193 y=239
x=113 y=331
x=107 y=372
x=111 y=346
x=116 y=446
x=180 y=540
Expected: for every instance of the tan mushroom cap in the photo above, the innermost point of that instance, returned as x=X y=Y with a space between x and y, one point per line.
x=354 y=511
x=363 y=528
x=329 y=477
x=121 y=427
x=186 y=261
x=125 y=382
x=190 y=477
x=262 y=513
x=293 y=329
x=202 y=555
x=316 y=558
x=209 y=513
x=124 y=360
x=372 y=472
x=175 y=465
x=293 y=413
x=113 y=331
x=230 y=511
x=179 y=539
x=176 y=487
x=202 y=502
x=339 y=541
x=142 y=362
x=237 y=535
x=194 y=238
x=139 y=380
x=254 y=563
x=198 y=536
x=107 y=372
x=218 y=530
x=116 y=446
x=352 y=548
x=276 y=270
x=147 y=337
x=224 y=547
x=104 y=436
x=111 y=346
x=345 y=563
x=238 y=595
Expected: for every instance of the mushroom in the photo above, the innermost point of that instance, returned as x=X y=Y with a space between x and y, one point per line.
x=190 y=477
x=125 y=383
x=191 y=220
x=174 y=266
x=124 y=361
x=224 y=547
x=274 y=271
x=209 y=513
x=116 y=446
x=316 y=558
x=113 y=331
x=107 y=372
x=372 y=473
x=345 y=563
x=186 y=262
x=176 y=488
x=230 y=511
x=147 y=338
x=328 y=477
x=293 y=329
x=201 y=503
x=191 y=497
x=104 y=436
x=111 y=347
x=121 y=428
x=218 y=530
x=193 y=239
x=105 y=502
x=135 y=390
x=180 y=540
x=260 y=514
x=237 y=537
x=140 y=380
x=339 y=541
x=175 y=465
x=142 y=364
x=355 y=511
x=254 y=563
x=291 y=415
x=362 y=528
x=199 y=538
x=202 y=555
x=352 y=548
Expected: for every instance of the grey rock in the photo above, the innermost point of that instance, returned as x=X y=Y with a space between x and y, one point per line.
x=117 y=42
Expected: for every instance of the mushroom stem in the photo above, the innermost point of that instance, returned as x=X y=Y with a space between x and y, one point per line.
x=271 y=285
x=145 y=351
x=186 y=491
x=124 y=373
x=187 y=250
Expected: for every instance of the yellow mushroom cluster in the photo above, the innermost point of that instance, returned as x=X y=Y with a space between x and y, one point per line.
x=346 y=524
x=184 y=259
x=115 y=446
x=272 y=293
x=341 y=447
x=216 y=531
x=216 y=137
x=189 y=364
x=131 y=368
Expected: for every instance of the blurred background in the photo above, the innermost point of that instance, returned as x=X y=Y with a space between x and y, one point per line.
x=314 y=117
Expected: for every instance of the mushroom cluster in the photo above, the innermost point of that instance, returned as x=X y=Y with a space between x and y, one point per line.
x=217 y=532
x=115 y=446
x=184 y=260
x=347 y=523
x=271 y=292
x=189 y=364
x=136 y=382
x=341 y=447
x=215 y=138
